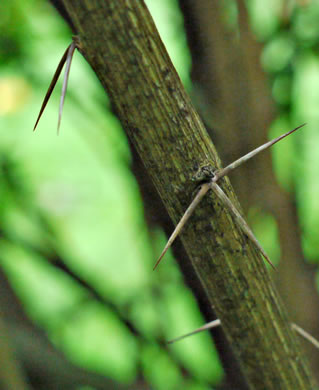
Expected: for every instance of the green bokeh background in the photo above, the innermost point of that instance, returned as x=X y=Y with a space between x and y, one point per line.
x=75 y=193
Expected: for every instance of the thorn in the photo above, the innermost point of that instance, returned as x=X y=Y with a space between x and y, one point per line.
x=209 y=325
x=55 y=78
x=220 y=193
x=305 y=335
x=199 y=196
x=70 y=53
x=239 y=219
x=248 y=156
x=52 y=85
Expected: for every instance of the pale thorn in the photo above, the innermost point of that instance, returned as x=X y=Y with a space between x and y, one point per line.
x=209 y=325
x=239 y=219
x=218 y=175
x=67 y=56
x=215 y=323
x=199 y=196
x=305 y=335
x=225 y=171
x=70 y=53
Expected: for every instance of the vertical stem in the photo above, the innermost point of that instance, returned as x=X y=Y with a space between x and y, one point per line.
x=121 y=43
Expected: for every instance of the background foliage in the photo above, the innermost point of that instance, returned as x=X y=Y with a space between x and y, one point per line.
x=73 y=239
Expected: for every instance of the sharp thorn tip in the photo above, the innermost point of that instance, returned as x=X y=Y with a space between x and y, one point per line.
x=158 y=261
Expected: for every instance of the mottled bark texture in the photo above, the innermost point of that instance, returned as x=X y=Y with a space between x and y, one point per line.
x=233 y=94
x=119 y=40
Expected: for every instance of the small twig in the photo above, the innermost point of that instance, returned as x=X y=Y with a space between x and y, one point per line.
x=305 y=335
x=212 y=182
x=66 y=58
x=209 y=325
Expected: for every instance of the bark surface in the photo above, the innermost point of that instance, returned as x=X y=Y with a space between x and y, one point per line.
x=232 y=88
x=120 y=41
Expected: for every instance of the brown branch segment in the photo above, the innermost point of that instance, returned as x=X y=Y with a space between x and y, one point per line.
x=119 y=40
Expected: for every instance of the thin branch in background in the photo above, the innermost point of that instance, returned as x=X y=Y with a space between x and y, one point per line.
x=66 y=58
x=220 y=193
